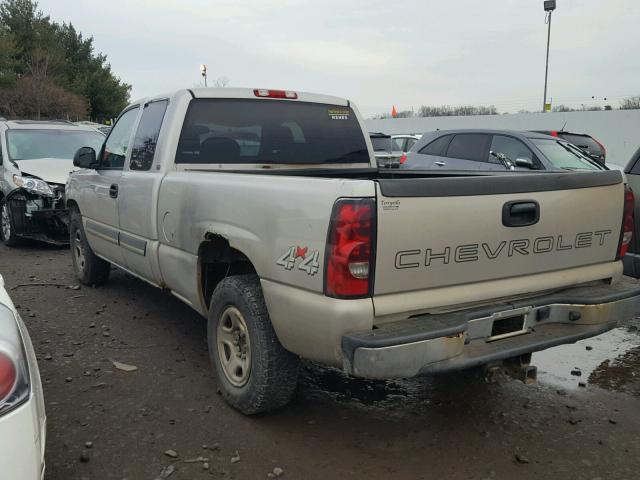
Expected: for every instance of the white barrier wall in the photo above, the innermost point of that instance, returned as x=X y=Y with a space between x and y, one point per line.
x=618 y=130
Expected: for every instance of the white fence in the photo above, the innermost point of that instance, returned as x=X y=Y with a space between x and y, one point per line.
x=618 y=130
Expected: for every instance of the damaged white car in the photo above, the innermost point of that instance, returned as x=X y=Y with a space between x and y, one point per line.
x=35 y=160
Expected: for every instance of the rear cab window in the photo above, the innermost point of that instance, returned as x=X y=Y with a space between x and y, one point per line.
x=247 y=131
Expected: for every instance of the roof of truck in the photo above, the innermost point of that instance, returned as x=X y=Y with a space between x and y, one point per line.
x=248 y=93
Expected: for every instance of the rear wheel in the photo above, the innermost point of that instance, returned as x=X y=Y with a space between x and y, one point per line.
x=88 y=267
x=255 y=373
x=9 y=236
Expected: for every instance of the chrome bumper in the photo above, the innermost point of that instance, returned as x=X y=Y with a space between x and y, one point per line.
x=439 y=343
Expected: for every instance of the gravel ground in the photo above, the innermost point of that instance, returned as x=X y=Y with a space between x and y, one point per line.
x=165 y=419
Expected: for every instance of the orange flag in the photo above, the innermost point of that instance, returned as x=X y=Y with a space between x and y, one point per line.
x=394 y=112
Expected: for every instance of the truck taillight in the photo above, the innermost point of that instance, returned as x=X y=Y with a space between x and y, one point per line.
x=263 y=92
x=627 y=222
x=349 y=258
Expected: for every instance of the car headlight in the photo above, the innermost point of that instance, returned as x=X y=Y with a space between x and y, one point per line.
x=33 y=185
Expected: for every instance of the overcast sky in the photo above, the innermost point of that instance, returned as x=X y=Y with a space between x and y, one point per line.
x=378 y=53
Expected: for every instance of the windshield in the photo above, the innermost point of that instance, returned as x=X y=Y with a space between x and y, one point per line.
x=565 y=156
x=220 y=131
x=31 y=144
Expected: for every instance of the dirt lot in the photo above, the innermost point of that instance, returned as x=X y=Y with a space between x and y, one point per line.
x=458 y=427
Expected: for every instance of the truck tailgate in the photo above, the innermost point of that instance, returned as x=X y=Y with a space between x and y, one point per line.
x=437 y=232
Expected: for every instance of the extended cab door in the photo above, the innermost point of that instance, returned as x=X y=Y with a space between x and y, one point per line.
x=137 y=201
x=99 y=189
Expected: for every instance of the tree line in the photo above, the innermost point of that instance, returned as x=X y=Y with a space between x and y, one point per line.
x=50 y=70
x=629 y=103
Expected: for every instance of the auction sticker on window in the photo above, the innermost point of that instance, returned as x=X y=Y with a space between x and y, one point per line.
x=339 y=113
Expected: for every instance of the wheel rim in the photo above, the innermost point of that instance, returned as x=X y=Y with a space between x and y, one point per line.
x=234 y=347
x=6 y=223
x=78 y=251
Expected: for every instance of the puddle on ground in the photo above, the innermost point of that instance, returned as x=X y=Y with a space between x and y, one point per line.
x=610 y=361
x=394 y=397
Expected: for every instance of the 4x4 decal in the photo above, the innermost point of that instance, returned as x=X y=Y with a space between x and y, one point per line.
x=309 y=261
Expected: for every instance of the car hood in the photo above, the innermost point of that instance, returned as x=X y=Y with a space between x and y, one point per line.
x=51 y=170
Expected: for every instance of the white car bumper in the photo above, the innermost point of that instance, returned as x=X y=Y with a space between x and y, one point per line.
x=22 y=438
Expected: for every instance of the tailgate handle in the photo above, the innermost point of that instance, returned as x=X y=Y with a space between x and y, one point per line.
x=520 y=213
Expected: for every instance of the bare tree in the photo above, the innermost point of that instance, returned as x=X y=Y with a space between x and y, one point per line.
x=462 y=110
x=221 y=82
x=630 y=103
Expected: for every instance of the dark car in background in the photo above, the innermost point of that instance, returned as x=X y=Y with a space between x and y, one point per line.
x=592 y=147
x=631 y=260
x=496 y=150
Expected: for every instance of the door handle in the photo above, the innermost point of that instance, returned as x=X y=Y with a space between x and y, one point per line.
x=113 y=190
x=440 y=164
x=520 y=213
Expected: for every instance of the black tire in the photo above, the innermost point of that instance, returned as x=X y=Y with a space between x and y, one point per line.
x=10 y=240
x=273 y=371
x=88 y=267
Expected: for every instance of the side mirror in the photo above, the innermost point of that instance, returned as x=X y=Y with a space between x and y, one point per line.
x=85 y=157
x=525 y=162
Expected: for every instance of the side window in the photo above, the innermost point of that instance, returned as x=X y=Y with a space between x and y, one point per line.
x=470 y=146
x=511 y=147
x=437 y=147
x=146 y=139
x=410 y=143
x=117 y=144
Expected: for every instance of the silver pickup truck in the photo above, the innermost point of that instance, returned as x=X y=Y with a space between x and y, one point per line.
x=264 y=211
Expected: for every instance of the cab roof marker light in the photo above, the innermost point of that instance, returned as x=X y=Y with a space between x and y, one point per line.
x=266 y=93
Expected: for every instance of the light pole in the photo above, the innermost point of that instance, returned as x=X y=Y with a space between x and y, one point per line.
x=203 y=71
x=549 y=7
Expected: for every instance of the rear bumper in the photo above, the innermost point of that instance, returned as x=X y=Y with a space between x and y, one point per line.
x=439 y=343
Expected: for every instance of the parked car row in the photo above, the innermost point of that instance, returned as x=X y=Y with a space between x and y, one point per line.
x=496 y=150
